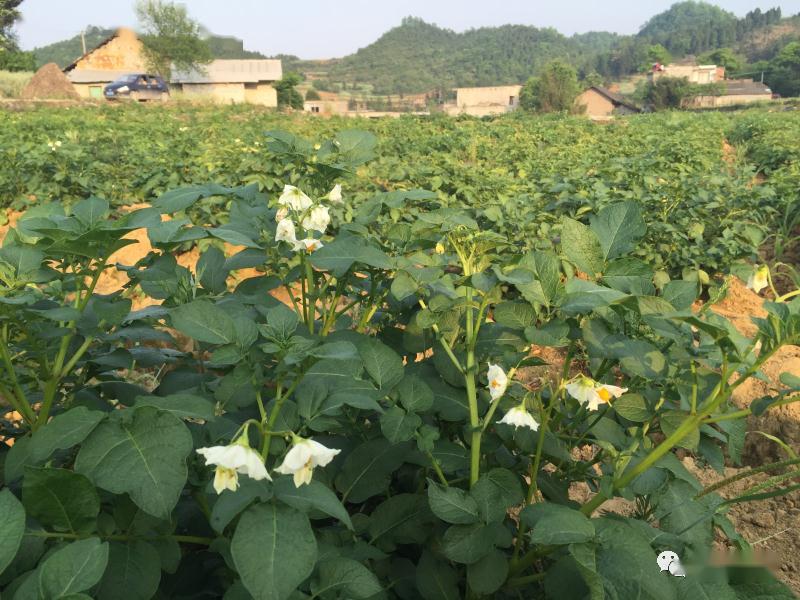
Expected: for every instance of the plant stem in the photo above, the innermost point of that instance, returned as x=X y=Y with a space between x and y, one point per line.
x=187 y=539
x=472 y=392
x=437 y=468
x=311 y=284
x=744 y=475
x=21 y=404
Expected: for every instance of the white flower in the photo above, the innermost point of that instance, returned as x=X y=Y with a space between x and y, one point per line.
x=294 y=199
x=759 y=279
x=335 y=194
x=284 y=232
x=232 y=460
x=317 y=220
x=519 y=417
x=498 y=381
x=309 y=245
x=303 y=457
x=283 y=212
x=592 y=394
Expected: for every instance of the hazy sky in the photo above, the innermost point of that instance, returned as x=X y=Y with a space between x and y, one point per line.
x=331 y=28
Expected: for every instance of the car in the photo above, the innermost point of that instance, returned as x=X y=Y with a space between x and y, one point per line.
x=137 y=86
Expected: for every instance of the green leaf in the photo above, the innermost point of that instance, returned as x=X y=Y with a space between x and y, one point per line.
x=60 y=499
x=315 y=495
x=555 y=524
x=452 y=504
x=229 y=504
x=618 y=226
x=632 y=407
x=211 y=270
x=143 y=456
x=367 y=469
x=515 y=315
x=671 y=420
x=399 y=426
x=348 y=577
x=180 y=198
x=183 y=406
x=133 y=572
x=680 y=294
x=586 y=296
x=415 y=395
x=204 y=321
x=62 y=432
x=487 y=575
x=436 y=580
x=233 y=237
x=12 y=527
x=274 y=550
x=581 y=246
x=23 y=259
x=383 y=364
x=73 y=569
x=495 y=492
x=342 y=253
x=467 y=544
x=401 y=518
x=91 y=211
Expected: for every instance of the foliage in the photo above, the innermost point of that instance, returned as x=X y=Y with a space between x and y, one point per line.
x=66 y=51
x=17 y=61
x=170 y=38
x=724 y=57
x=12 y=83
x=9 y=14
x=554 y=90
x=312 y=94
x=288 y=96
x=656 y=54
x=676 y=92
x=784 y=70
x=422 y=488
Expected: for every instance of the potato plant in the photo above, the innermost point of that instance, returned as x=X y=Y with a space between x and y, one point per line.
x=364 y=417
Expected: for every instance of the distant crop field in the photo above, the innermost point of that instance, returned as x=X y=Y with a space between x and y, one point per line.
x=11 y=84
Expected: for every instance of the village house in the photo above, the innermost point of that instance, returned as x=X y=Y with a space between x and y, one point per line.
x=482 y=101
x=736 y=92
x=118 y=55
x=232 y=81
x=600 y=102
x=701 y=74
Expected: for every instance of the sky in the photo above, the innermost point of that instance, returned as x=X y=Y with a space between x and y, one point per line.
x=333 y=28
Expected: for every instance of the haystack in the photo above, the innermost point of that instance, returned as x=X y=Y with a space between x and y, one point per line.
x=49 y=83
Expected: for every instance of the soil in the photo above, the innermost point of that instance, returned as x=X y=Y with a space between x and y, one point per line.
x=49 y=83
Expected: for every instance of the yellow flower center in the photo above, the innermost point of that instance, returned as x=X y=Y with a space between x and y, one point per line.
x=494 y=383
x=604 y=394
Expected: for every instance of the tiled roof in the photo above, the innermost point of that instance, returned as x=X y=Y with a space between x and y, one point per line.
x=745 y=87
x=615 y=98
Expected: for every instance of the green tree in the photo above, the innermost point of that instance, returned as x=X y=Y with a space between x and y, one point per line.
x=16 y=60
x=170 y=38
x=592 y=79
x=312 y=94
x=784 y=70
x=723 y=57
x=9 y=13
x=656 y=54
x=288 y=96
x=667 y=92
x=554 y=90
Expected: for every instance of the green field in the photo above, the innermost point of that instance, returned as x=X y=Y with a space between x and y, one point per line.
x=399 y=359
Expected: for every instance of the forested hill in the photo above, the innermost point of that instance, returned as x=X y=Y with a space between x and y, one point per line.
x=418 y=56
x=64 y=52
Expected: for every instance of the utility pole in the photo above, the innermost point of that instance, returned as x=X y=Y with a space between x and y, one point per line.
x=83 y=40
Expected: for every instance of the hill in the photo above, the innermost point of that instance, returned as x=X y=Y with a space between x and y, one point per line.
x=64 y=52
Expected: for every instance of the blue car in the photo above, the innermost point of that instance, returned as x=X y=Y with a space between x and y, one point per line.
x=137 y=86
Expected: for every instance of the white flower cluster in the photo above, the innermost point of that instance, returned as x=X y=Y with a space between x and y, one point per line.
x=759 y=278
x=591 y=393
x=239 y=458
x=54 y=145
x=517 y=416
x=297 y=208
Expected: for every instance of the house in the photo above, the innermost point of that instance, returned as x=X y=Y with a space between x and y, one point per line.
x=326 y=106
x=601 y=102
x=119 y=54
x=701 y=74
x=232 y=81
x=482 y=101
x=737 y=92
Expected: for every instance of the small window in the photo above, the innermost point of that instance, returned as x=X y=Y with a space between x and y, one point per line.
x=512 y=100
x=251 y=86
x=315 y=109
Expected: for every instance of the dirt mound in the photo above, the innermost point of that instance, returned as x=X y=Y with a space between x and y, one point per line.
x=49 y=83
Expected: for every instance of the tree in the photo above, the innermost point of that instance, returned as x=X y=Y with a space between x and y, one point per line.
x=9 y=13
x=15 y=60
x=592 y=79
x=723 y=57
x=784 y=70
x=288 y=96
x=312 y=94
x=170 y=38
x=656 y=54
x=554 y=90
x=667 y=92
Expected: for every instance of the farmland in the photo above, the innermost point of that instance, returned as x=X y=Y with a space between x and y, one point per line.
x=493 y=330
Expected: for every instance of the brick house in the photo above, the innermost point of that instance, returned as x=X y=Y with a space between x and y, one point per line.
x=119 y=54
x=601 y=102
x=232 y=81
